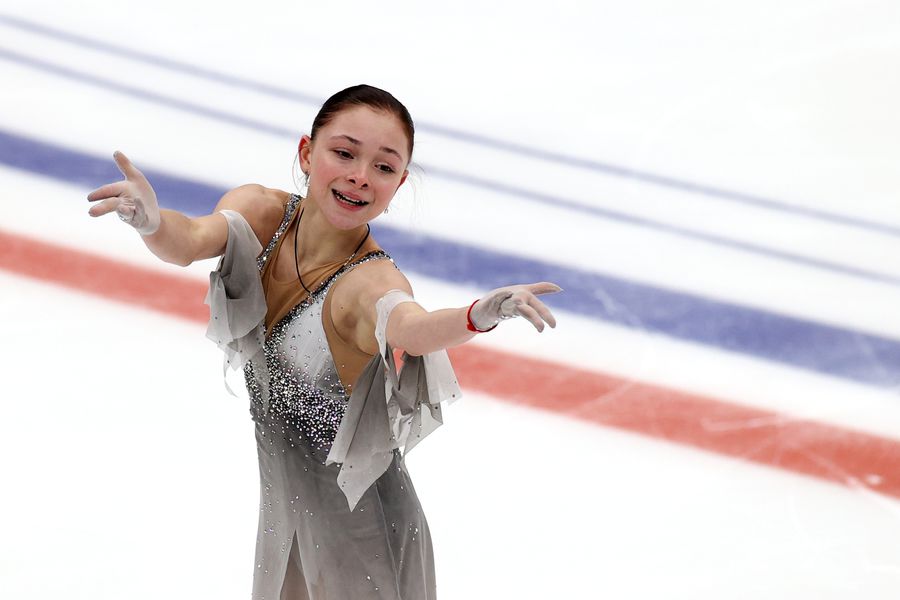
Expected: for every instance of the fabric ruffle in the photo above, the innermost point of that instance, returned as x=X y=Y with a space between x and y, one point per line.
x=237 y=302
x=387 y=410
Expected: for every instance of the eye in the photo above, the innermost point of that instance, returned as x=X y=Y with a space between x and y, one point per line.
x=343 y=153
x=386 y=168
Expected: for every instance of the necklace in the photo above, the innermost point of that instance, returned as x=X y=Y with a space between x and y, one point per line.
x=346 y=262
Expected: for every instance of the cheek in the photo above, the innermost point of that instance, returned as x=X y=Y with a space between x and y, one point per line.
x=323 y=170
x=387 y=188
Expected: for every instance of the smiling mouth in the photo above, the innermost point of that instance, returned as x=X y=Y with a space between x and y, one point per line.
x=350 y=201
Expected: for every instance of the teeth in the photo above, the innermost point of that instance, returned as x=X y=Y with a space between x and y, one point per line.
x=346 y=199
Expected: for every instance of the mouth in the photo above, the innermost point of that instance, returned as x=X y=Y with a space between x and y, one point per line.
x=347 y=200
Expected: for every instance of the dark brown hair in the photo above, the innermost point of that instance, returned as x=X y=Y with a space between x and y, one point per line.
x=364 y=95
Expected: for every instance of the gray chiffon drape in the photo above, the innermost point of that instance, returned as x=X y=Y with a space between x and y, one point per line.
x=339 y=518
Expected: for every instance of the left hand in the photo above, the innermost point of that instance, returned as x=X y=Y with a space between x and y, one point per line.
x=133 y=199
x=513 y=301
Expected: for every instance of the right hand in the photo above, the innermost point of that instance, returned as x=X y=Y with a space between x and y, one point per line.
x=133 y=199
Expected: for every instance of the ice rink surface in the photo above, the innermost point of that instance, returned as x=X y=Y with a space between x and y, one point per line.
x=715 y=185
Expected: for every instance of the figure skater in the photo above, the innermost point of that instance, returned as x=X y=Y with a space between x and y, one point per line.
x=309 y=306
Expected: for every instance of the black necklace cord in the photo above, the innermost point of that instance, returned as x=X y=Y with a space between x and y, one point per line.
x=296 y=260
x=346 y=262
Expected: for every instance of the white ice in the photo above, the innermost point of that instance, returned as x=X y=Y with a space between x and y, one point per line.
x=123 y=454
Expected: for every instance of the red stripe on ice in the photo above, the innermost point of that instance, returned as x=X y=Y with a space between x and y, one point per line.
x=817 y=449
x=114 y=280
x=821 y=450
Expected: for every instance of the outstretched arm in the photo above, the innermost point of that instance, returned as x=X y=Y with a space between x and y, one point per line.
x=173 y=236
x=418 y=331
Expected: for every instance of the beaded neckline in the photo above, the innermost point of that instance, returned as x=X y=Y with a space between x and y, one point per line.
x=289 y=210
x=319 y=292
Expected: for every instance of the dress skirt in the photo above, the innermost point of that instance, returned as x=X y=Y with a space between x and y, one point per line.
x=310 y=545
x=339 y=518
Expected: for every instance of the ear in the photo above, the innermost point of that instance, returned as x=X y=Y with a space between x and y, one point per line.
x=303 y=150
x=403 y=178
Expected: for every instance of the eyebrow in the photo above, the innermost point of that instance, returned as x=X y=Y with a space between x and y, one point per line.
x=356 y=142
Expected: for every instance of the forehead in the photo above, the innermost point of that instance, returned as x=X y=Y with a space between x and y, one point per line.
x=373 y=128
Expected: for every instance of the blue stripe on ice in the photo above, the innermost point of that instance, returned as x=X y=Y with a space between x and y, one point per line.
x=514 y=191
x=797 y=342
x=539 y=153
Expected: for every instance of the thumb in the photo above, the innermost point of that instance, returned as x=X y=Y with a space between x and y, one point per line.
x=130 y=172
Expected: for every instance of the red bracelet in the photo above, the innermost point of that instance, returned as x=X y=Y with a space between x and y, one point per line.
x=471 y=326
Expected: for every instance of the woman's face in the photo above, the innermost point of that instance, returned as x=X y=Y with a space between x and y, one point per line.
x=356 y=164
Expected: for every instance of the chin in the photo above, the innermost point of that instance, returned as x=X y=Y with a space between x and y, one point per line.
x=348 y=222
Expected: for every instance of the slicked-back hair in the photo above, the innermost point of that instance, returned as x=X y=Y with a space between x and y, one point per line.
x=364 y=95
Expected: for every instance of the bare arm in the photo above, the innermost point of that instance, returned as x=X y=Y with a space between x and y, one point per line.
x=173 y=236
x=416 y=330
x=419 y=331
x=181 y=240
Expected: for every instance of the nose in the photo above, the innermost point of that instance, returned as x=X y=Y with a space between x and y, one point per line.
x=358 y=177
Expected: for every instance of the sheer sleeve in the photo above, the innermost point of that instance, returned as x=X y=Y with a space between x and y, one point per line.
x=387 y=410
x=237 y=303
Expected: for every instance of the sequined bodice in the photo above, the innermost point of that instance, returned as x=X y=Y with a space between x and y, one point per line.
x=306 y=395
x=338 y=514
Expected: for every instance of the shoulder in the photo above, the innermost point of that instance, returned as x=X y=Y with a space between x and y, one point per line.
x=357 y=291
x=262 y=207
x=354 y=297
x=372 y=279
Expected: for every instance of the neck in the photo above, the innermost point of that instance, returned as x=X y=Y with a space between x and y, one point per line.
x=319 y=242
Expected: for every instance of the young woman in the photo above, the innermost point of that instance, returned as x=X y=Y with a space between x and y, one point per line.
x=310 y=306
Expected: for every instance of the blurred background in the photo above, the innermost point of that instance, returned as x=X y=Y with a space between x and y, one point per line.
x=714 y=185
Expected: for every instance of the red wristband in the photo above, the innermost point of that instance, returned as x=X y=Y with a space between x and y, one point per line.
x=471 y=326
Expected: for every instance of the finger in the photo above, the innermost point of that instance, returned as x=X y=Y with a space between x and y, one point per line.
x=106 y=206
x=532 y=316
x=543 y=311
x=107 y=191
x=544 y=287
x=130 y=172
